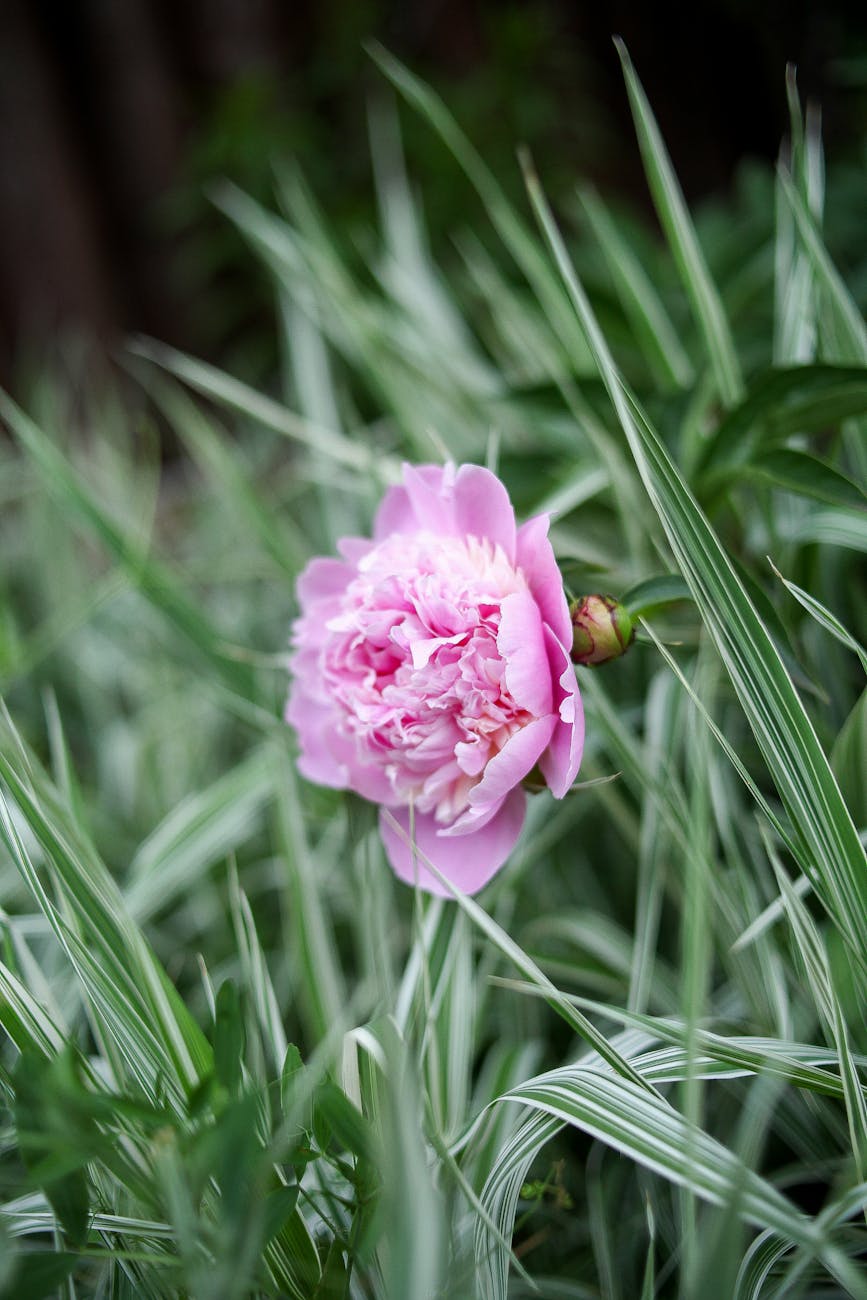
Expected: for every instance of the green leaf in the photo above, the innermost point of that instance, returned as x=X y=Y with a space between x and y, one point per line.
x=279 y=1205
x=785 y=401
x=334 y=1284
x=795 y=471
x=41 y=1273
x=229 y=1038
x=652 y=594
x=45 y=1144
x=849 y=760
x=334 y=1110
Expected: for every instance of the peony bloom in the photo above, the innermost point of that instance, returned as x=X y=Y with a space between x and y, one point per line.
x=431 y=672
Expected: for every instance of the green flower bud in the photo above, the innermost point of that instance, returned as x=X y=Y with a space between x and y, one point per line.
x=601 y=630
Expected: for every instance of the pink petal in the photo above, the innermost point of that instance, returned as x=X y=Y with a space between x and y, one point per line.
x=354 y=549
x=431 y=492
x=536 y=557
x=314 y=722
x=483 y=508
x=395 y=515
x=507 y=770
x=521 y=642
x=559 y=764
x=468 y=861
x=323 y=578
x=423 y=503
x=327 y=756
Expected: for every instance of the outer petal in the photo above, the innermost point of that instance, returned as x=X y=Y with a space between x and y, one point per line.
x=314 y=724
x=535 y=556
x=468 y=861
x=354 y=549
x=424 y=503
x=560 y=762
x=322 y=579
x=483 y=508
x=521 y=642
x=327 y=756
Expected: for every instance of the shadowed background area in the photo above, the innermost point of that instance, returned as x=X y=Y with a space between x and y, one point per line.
x=116 y=117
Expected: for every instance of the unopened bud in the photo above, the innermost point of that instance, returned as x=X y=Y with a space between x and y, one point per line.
x=601 y=630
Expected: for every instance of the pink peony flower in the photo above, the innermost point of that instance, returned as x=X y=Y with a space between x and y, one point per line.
x=431 y=672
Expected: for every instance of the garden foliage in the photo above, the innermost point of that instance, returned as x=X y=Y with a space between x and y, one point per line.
x=239 y=1057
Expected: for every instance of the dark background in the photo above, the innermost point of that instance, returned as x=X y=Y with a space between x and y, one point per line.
x=115 y=115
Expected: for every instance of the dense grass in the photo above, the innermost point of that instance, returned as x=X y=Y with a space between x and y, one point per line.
x=239 y=1058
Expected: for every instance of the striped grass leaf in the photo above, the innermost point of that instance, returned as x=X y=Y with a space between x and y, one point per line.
x=24 y=1018
x=247 y=402
x=844 y=324
x=679 y=230
x=836 y=527
x=762 y=1257
x=437 y=1001
x=696 y=947
x=662 y=715
x=408 y=1226
x=823 y=617
x=155 y=579
x=644 y=309
x=799 y=1064
x=221 y=462
x=794 y=284
x=202 y=829
x=120 y=975
x=841 y=326
x=811 y=951
x=319 y=976
x=500 y=1198
x=830 y=851
x=640 y=1126
x=58 y=626
x=256 y=979
x=504 y=1066
x=664 y=788
x=525 y=964
x=394 y=350
x=849 y=760
x=308 y=375
x=556 y=318
x=520 y=339
x=412 y=1258
x=511 y=229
